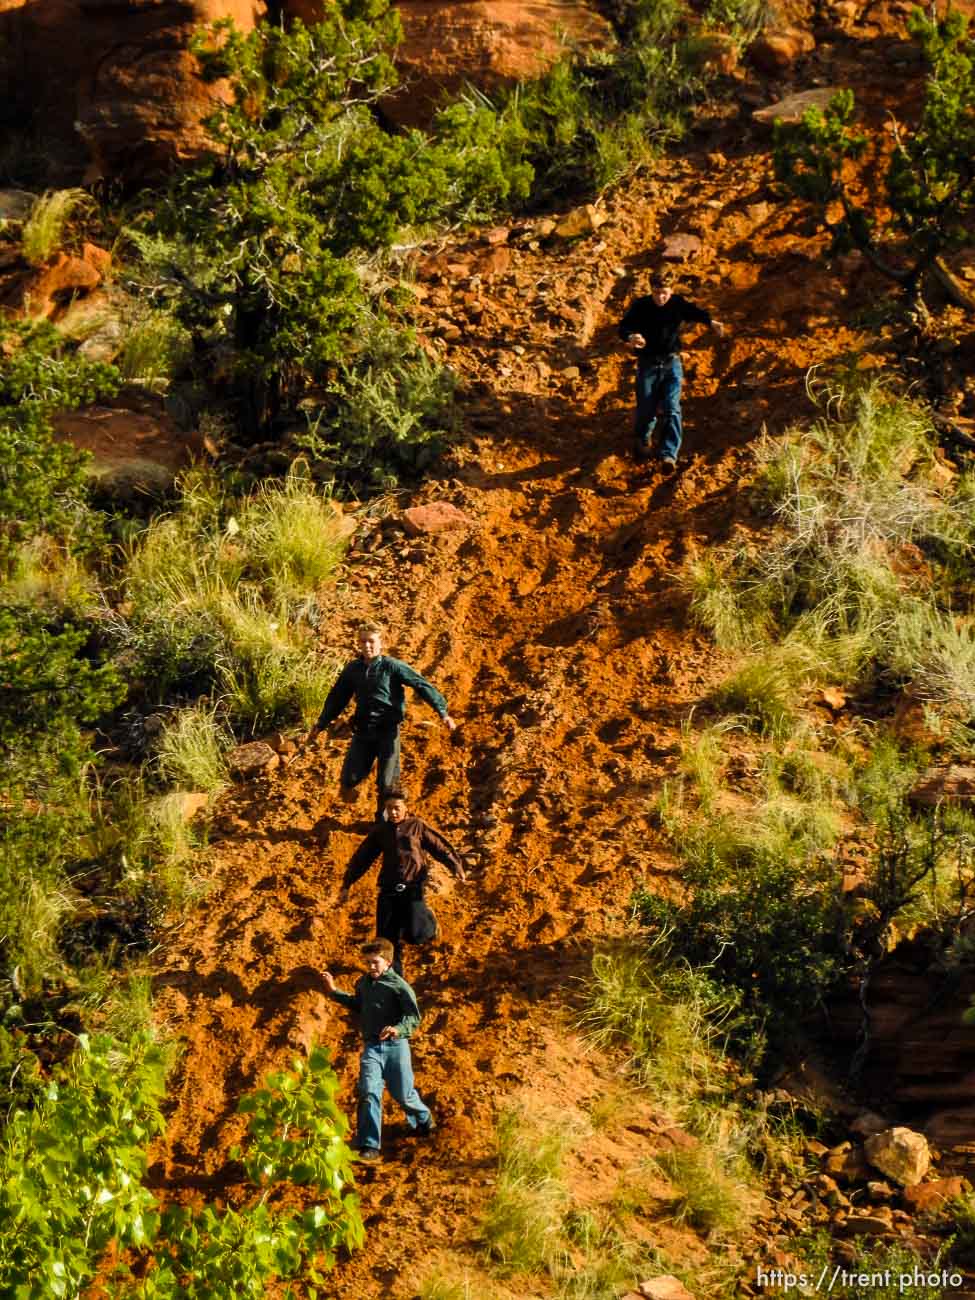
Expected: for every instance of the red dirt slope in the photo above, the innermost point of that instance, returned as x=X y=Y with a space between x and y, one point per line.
x=555 y=629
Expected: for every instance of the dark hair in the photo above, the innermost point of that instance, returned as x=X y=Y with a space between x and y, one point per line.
x=661 y=280
x=378 y=948
x=392 y=795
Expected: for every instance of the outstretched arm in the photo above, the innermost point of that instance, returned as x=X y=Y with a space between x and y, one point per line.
x=351 y=1000
x=442 y=850
x=361 y=860
x=335 y=701
x=427 y=691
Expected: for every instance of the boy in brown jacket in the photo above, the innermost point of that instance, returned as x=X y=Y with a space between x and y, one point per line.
x=403 y=840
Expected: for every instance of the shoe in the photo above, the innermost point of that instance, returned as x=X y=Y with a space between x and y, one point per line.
x=424 y=1130
x=668 y=464
x=643 y=451
x=369 y=1153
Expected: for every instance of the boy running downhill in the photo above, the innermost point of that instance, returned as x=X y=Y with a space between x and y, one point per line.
x=377 y=682
x=403 y=839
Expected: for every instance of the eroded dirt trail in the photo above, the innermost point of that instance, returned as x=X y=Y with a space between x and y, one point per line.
x=557 y=632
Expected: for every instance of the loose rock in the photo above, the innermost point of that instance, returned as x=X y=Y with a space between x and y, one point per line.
x=665 y=1287
x=437 y=517
x=791 y=110
x=923 y=1197
x=955 y=784
x=900 y=1153
x=251 y=760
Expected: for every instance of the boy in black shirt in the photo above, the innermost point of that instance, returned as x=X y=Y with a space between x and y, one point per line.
x=652 y=329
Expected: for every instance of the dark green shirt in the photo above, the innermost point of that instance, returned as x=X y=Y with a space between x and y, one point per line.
x=388 y=1000
x=377 y=685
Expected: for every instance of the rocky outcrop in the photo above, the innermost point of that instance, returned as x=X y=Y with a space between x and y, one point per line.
x=113 y=79
x=117 y=88
x=136 y=448
x=486 y=42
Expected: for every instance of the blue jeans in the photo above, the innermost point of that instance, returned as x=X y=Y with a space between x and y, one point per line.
x=658 y=385
x=366 y=748
x=386 y=1063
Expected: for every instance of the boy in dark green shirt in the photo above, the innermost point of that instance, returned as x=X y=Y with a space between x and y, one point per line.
x=388 y=1015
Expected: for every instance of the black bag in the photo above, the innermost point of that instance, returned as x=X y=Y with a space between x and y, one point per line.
x=422 y=924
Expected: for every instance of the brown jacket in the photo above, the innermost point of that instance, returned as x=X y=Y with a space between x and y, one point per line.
x=402 y=846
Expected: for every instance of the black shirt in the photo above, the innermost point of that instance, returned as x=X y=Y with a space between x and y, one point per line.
x=660 y=326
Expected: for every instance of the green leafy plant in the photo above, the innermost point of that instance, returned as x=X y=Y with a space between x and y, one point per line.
x=42 y=480
x=72 y=1185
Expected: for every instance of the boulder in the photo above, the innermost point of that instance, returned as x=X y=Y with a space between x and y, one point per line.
x=900 y=1153
x=681 y=246
x=135 y=446
x=775 y=52
x=46 y=291
x=791 y=110
x=876 y=1224
x=665 y=1287
x=113 y=81
x=923 y=1197
x=580 y=221
x=437 y=517
x=487 y=43
x=955 y=784
x=254 y=759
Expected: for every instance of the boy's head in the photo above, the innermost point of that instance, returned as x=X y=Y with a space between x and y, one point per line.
x=370 y=638
x=377 y=955
x=661 y=287
x=395 y=806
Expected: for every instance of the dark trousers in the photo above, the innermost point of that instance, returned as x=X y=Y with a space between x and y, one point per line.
x=365 y=748
x=658 y=385
x=393 y=921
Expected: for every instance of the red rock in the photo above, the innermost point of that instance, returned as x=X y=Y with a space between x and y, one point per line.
x=136 y=447
x=679 y=247
x=955 y=784
x=437 y=517
x=53 y=286
x=99 y=258
x=580 y=221
x=252 y=760
x=928 y=1196
x=792 y=109
x=114 y=82
x=776 y=51
x=665 y=1287
x=488 y=43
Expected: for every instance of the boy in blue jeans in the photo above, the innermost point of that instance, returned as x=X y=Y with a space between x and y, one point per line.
x=388 y=1015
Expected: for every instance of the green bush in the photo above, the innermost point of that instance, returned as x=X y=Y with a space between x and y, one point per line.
x=389 y=413
x=42 y=481
x=924 y=205
x=861 y=573
x=218 y=599
x=71 y=1188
